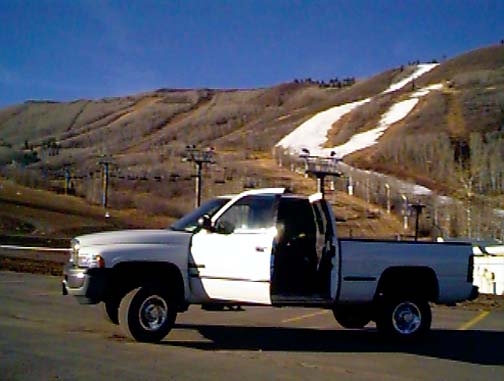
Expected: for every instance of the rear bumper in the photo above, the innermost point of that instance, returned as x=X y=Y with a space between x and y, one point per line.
x=86 y=285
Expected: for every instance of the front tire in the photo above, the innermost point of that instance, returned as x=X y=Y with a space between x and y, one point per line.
x=405 y=318
x=147 y=314
x=110 y=310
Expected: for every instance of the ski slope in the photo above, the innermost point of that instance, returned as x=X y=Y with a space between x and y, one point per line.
x=421 y=70
x=395 y=113
x=312 y=134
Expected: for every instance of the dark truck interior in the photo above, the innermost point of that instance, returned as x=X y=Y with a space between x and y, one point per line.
x=302 y=253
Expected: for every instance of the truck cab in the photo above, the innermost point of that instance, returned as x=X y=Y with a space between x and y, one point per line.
x=266 y=248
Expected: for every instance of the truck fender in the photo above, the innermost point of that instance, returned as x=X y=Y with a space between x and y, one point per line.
x=126 y=276
x=418 y=281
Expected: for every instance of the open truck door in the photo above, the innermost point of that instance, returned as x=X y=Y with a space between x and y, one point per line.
x=304 y=266
x=231 y=260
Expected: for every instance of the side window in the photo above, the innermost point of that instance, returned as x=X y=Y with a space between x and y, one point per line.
x=319 y=215
x=250 y=212
x=323 y=218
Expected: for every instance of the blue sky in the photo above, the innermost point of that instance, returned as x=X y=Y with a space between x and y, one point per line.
x=71 y=49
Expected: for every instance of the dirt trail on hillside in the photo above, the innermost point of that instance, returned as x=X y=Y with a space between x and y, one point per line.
x=144 y=102
x=455 y=117
x=156 y=136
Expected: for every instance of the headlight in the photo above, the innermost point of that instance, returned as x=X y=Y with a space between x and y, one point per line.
x=90 y=260
x=74 y=254
x=83 y=259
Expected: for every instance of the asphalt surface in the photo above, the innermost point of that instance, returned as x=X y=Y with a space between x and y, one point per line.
x=47 y=336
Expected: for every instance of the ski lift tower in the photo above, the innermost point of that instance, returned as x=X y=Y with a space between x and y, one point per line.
x=106 y=161
x=320 y=167
x=199 y=157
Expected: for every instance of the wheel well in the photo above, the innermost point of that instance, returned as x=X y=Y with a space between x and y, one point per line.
x=418 y=281
x=126 y=276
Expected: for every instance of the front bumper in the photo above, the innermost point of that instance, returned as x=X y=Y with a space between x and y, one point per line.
x=88 y=286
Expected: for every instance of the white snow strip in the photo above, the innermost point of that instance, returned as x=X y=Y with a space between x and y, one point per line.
x=312 y=134
x=368 y=138
x=420 y=190
x=426 y=90
x=421 y=70
x=395 y=113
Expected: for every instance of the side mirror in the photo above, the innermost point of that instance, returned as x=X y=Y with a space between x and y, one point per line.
x=205 y=222
x=224 y=227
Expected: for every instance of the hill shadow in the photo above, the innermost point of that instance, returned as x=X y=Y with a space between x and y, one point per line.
x=477 y=347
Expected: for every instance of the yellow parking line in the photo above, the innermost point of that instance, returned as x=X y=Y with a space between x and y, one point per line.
x=296 y=318
x=474 y=320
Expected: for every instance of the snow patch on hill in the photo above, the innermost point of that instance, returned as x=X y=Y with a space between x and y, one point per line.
x=312 y=134
x=421 y=70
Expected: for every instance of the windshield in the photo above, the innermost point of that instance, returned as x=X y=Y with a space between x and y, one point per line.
x=189 y=222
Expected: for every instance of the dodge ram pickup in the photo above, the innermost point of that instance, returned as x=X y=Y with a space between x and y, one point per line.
x=265 y=247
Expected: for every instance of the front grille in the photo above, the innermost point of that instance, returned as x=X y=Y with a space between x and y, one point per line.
x=75 y=281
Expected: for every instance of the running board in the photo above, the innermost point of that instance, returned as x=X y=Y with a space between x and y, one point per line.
x=297 y=300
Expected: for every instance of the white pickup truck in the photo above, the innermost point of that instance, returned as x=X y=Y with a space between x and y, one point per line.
x=265 y=247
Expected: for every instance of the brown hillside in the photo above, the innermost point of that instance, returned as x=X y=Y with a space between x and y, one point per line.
x=143 y=138
x=440 y=134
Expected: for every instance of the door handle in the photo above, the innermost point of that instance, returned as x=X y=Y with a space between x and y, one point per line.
x=260 y=249
x=195 y=266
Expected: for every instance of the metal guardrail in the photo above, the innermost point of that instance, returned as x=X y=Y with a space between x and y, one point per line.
x=34 y=248
x=34 y=241
x=33 y=254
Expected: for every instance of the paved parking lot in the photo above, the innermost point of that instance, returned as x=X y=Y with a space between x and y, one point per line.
x=44 y=335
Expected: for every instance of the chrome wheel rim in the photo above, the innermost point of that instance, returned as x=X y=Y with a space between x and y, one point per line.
x=153 y=313
x=406 y=318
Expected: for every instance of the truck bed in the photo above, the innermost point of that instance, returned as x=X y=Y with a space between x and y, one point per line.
x=363 y=261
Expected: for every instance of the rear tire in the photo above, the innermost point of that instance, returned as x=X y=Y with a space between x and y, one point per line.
x=404 y=318
x=147 y=314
